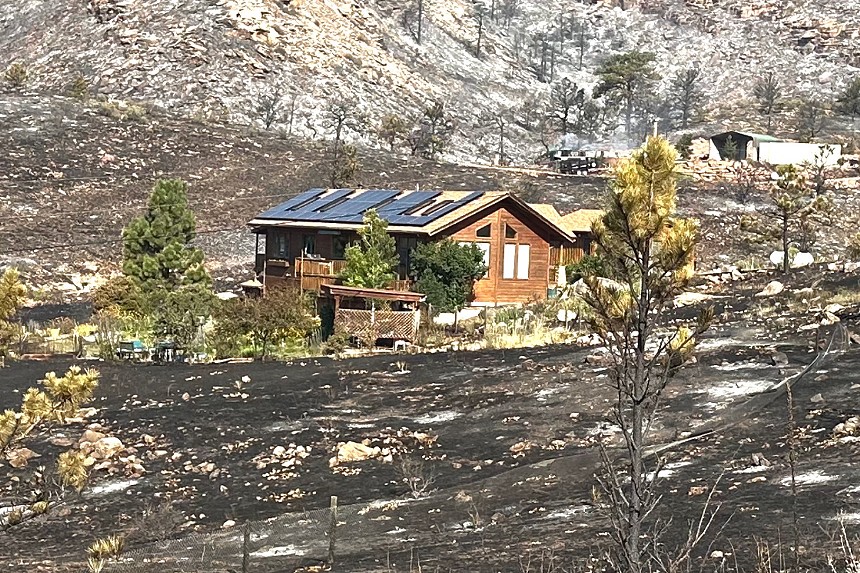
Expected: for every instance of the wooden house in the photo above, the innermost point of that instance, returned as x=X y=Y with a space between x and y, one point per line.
x=303 y=240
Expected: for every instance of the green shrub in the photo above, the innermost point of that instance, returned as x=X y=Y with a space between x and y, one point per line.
x=17 y=75
x=79 y=88
x=685 y=146
x=589 y=265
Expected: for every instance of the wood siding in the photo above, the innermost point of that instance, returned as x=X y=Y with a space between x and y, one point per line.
x=494 y=289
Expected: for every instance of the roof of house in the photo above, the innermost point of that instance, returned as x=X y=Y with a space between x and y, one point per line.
x=580 y=221
x=412 y=211
x=547 y=211
x=758 y=137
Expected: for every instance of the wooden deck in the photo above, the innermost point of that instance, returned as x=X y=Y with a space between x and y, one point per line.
x=312 y=274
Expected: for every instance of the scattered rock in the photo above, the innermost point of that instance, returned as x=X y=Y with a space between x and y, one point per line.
x=849 y=427
x=818 y=398
x=353 y=452
x=779 y=359
x=19 y=457
x=91 y=437
x=717 y=555
x=773 y=288
x=106 y=448
x=228 y=524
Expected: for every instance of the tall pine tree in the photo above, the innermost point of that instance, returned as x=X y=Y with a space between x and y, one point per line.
x=156 y=246
x=162 y=264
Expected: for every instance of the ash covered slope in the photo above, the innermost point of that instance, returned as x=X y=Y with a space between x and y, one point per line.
x=209 y=59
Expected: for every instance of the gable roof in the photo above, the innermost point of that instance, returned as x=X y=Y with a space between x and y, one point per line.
x=412 y=211
x=580 y=221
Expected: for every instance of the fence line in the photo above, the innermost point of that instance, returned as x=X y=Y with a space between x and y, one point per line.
x=268 y=545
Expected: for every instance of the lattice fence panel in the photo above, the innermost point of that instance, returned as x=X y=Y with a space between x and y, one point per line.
x=368 y=324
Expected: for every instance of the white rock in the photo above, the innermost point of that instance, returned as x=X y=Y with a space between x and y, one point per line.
x=773 y=288
x=802 y=260
x=228 y=524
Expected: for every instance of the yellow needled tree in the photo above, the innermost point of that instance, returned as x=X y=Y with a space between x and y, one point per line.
x=648 y=252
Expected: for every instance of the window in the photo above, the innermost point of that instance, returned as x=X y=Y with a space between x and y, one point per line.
x=484 y=232
x=510 y=261
x=279 y=248
x=309 y=244
x=510 y=232
x=517 y=260
x=523 y=252
x=338 y=246
x=404 y=252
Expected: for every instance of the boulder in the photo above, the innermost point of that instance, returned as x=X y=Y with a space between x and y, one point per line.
x=106 y=448
x=802 y=260
x=354 y=452
x=90 y=437
x=779 y=359
x=773 y=288
x=19 y=457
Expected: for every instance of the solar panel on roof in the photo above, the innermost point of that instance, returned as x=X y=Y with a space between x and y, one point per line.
x=341 y=207
x=279 y=211
x=425 y=219
x=322 y=202
x=360 y=203
x=411 y=200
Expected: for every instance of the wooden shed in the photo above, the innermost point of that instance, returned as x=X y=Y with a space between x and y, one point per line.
x=357 y=314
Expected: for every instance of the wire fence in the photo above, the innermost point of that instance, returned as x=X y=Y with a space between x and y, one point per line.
x=276 y=544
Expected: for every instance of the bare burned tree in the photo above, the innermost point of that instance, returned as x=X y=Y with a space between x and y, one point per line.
x=509 y=10
x=810 y=119
x=768 y=94
x=687 y=93
x=481 y=13
x=499 y=121
x=649 y=253
x=413 y=18
x=341 y=115
x=566 y=101
x=290 y=112
x=269 y=106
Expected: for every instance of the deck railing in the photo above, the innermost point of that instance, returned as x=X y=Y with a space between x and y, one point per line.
x=313 y=274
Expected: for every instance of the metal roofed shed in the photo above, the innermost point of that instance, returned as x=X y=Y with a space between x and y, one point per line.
x=746 y=145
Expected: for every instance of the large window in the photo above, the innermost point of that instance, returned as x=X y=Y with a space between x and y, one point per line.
x=485 y=248
x=338 y=246
x=523 y=255
x=517 y=257
x=279 y=245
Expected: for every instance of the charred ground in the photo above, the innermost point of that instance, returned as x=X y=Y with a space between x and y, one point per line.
x=515 y=442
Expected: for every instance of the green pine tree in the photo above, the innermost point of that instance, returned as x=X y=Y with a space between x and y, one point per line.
x=12 y=296
x=371 y=263
x=625 y=78
x=174 y=286
x=156 y=246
